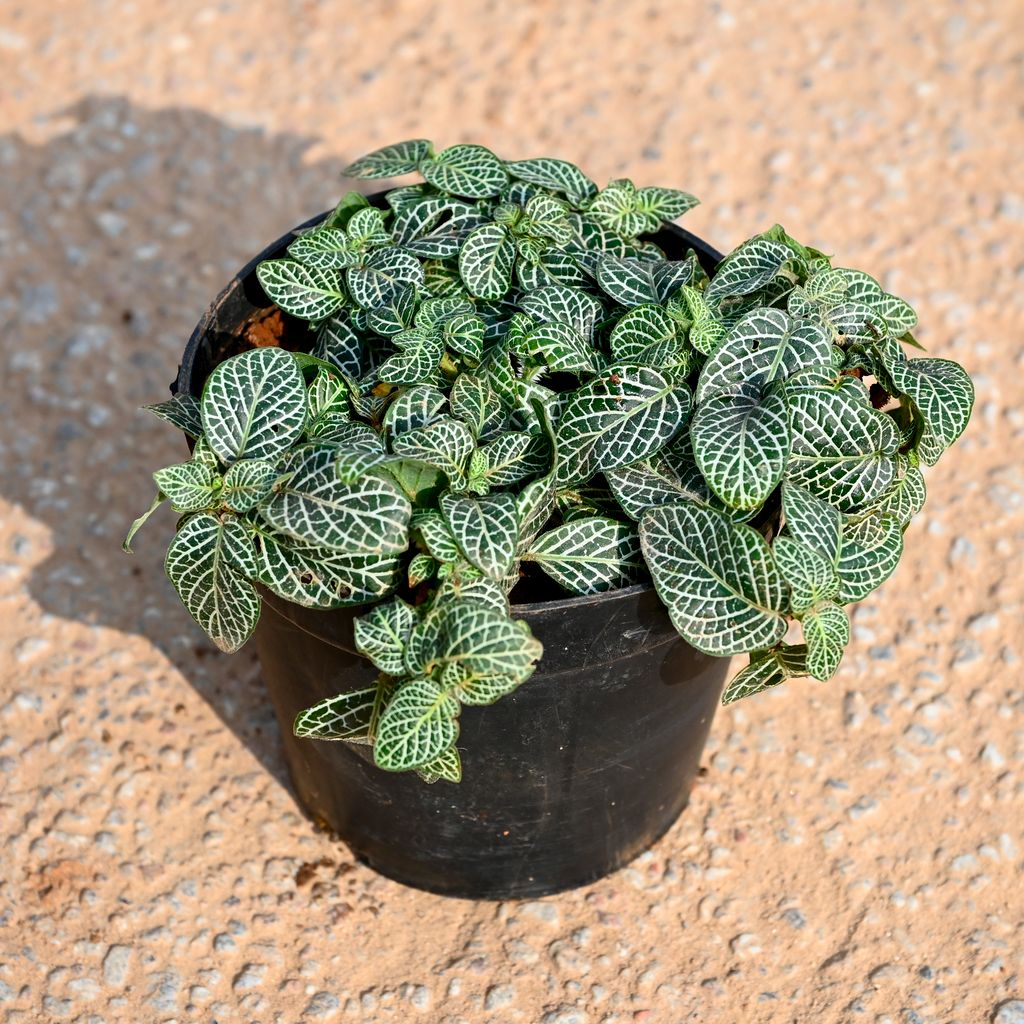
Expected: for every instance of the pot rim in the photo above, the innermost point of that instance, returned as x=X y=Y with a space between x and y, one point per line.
x=185 y=368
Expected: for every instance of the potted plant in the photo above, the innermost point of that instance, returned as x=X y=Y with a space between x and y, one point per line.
x=505 y=420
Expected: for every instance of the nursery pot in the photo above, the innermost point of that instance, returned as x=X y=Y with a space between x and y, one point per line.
x=574 y=774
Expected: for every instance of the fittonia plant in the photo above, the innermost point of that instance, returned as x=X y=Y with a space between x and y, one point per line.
x=509 y=373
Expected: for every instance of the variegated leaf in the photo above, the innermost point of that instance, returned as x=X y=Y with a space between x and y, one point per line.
x=446 y=767
x=559 y=304
x=557 y=175
x=480 y=591
x=349 y=204
x=311 y=504
x=396 y=315
x=338 y=344
x=559 y=347
x=422 y=567
x=303 y=291
x=247 y=483
x=741 y=442
x=811 y=576
x=485 y=641
x=906 y=496
x=466 y=170
x=446 y=443
x=765 y=346
x=717 y=579
x=811 y=520
x=189 y=486
x=747 y=268
x=417 y=362
x=390 y=161
x=323 y=249
x=474 y=402
x=140 y=522
x=463 y=334
x=826 y=633
x=436 y=535
x=486 y=530
x=254 y=405
x=615 y=207
x=181 y=411
x=348 y=716
x=943 y=393
x=509 y=458
x=413 y=408
x=200 y=563
x=366 y=229
x=624 y=415
x=589 y=555
x=419 y=723
x=870 y=551
x=767 y=668
x=667 y=477
x=382 y=633
x=486 y=260
x=382 y=276
x=634 y=282
x=664 y=204
x=842 y=450
x=642 y=328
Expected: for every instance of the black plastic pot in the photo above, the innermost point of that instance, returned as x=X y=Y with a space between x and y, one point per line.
x=581 y=769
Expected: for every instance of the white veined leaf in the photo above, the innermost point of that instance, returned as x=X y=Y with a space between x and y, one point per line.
x=422 y=567
x=254 y=405
x=413 y=408
x=559 y=347
x=485 y=261
x=350 y=203
x=302 y=291
x=433 y=313
x=534 y=505
x=247 y=483
x=942 y=391
x=765 y=346
x=860 y=287
x=480 y=591
x=189 y=486
x=486 y=530
x=441 y=279
x=350 y=716
x=557 y=303
x=707 y=332
x=382 y=633
x=417 y=218
x=767 y=668
x=898 y=314
x=486 y=642
x=669 y=476
x=323 y=249
x=382 y=275
x=200 y=564
x=419 y=723
x=396 y=315
x=906 y=496
x=353 y=464
x=476 y=690
x=665 y=204
x=466 y=170
x=852 y=322
x=446 y=767
x=634 y=282
x=474 y=402
x=141 y=521
x=842 y=450
x=870 y=551
x=811 y=576
x=741 y=443
x=546 y=217
x=313 y=505
x=717 y=578
x=553 y=266
x=464 y=335
x=338 y=344
x=624 y=415
x=747 y=268
x=366 y=229
x=509 y=458
x=390 y=161
x=317 y=577
x=812 y=521
x=327 y=393
x=416 y=363
x=181 y=411
x=557 y=175
x=447 y=444
x=590 y=555
x=826 y=633
x=615 y=207
x=642 y=328
x=436 y=536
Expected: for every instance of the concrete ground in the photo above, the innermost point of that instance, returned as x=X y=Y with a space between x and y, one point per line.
x=855 y=850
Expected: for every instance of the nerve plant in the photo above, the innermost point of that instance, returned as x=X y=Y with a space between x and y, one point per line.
x=508 y=372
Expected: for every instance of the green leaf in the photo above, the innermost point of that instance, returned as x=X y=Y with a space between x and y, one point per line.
x=422 y=567
x=396 y=315
x=615 y=207
x=254 y=405
x=826 y=633
x=390 y=161
x=534 y=505
x=447 y=444
x=644 y=327
x=349 y=204
x=557 y=175
x=338 y=344
x=559 y=304
x=366 y=229
x=474 y=402
x=305 y=292
x=559 y=347
x=247 y=483
x=507 y=459
x=323 y=249
x=765 y=346
x=436 y=536
x=199 y=565
x=906 y=496
x=318 y=577
x=181 y=411
x=590 y=555
x=466 y=170
x=767 y=668
x=624 y=415
x=485 y=261
x=380 y=278
x=943 y=393
x=707 y=332
x=313 y=505
x=741 y=443
x=486 y=530
x=747 y=268
x=413 y=408
x=348 y=716
x=464 y=335
x=417 y=361
x=481 y=591
x=811 y=576
x=842 y=449
x=666 y=204
x=717 y=579
x=898 y=315
x=870 y=551
x=419 y=723
x=446 y=767
x=141 y=521
x=189 y=486
x=486 y=642
x=811 y=521
x=667 y=477
x=382 y=633
x=634 y=282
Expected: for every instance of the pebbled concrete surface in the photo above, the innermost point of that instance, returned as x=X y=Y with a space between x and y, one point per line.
x=855 y=850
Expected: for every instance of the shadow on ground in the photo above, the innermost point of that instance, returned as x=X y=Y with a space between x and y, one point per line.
x=115 y=234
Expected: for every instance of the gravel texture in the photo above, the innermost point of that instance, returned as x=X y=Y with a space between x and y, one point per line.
x=855 y=850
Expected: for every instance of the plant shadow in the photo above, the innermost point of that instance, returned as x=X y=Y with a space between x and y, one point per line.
x=118 y=230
